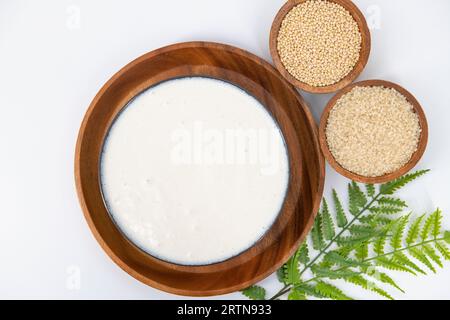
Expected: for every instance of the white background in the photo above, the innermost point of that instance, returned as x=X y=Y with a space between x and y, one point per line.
x=55 y=55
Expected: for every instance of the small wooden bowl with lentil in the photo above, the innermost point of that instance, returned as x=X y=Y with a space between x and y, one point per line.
x=389 y=143
x=320 y=46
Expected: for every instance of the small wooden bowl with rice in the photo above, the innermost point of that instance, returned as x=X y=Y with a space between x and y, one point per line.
x=388 y=138
x=314 y=53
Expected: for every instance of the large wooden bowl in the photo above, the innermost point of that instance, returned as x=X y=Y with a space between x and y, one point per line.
x=359 y=67
x=285 y=105
x=415 y=158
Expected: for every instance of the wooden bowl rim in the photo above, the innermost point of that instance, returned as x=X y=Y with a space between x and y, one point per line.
x=349 y=78
x=415 y=158
x=77 y=170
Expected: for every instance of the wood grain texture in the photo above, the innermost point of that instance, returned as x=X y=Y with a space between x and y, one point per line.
x=359 y=67
x=286 y=106
x=423 y=140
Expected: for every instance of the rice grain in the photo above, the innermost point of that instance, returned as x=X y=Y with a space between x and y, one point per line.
x=373 y=131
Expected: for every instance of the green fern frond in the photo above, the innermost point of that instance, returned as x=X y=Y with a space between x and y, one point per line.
x=309 y=290
x=398 y=231
x=426 y=228
x=303 y=254
x=344 y=250
x=332 y=274
x=328 y=229
x=381 y=292
x=316 y=234
x=292 y=272
x=392 y=202
x=375 y=238
x=431 y=253
x=375 y=220
x=437 y=223
x=352 y=201
x=297 y=294
x=255 y=293
x=393 y=265
x=370 y=189
x=357 y=198
x=384 y=278
x=281 y=274
x=360 y=195
x=366 y=230
x=336 y=259
x=443 y=249
x=380 y=242
x=447 y=236
x=388 y=210
x=362 y=252
x=330 y=291
x=369 y=285
x=379 y=245
x=353 y=240
x=401 y=258
x=341 y=218
x=414 y=230
x=391 y=187
x=419 y=255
